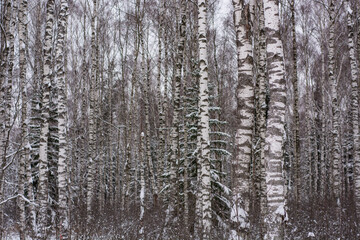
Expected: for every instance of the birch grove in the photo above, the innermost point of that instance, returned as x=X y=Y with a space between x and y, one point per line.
x=227 y=119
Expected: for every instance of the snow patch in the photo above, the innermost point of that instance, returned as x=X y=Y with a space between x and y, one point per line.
x=311 y=234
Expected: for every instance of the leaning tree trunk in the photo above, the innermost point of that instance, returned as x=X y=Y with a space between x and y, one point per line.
x=354 y=107
x=62 y=161
x=204 y=121
x=245 y=101
x=45 y=113
x=24 y=156
x=275 y=124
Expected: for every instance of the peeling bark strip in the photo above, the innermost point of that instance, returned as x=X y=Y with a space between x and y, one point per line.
x=354 y=105
x=92 y=121
x=204 y=121
x=43 y=153
x=275 y=124
x=24 y=156
x=62 y=161
x=246 y=108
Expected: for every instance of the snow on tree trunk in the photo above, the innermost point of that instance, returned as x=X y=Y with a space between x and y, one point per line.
x=62 y=114
x=92 y=122
x=142 y=183
x=24 y=156
x=43 y=151
x=275 y=124
x=354 y=105
x=175 y=138
x=245 y=102
x=204 y=121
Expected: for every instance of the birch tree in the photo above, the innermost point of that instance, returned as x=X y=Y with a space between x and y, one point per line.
x=275 y=124
x=43 y=152
x=245 y=101
x=204 y=121
x=354 y=104
x=6 y=76
x=175 y=138
x=261 y=117
x=92 y=121
x=24 y=157
x=335 y=108
x=62 y=120
x=296 y=103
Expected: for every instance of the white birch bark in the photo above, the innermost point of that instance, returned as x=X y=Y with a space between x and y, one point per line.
x=24 y=156
x=43 y=151
x=335 y=109
x=160 y=152
x=92 y=122
x=246 y=108
x=204 y=121
x=275 y=124
x=62 y=120
x=323 y=128
x=6 y=96
x=142 y=183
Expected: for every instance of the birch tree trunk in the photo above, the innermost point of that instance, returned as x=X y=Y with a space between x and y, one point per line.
x=275 y=124
x=5 y=95
x=160 y=156
x=261 y=115
x=43 y=151
x=24 y=156
x=335 y=108
x=296 y=105
x=204 y=121
x=92 y=122
x=146 y=82
x=354 y=105
x=323 y=128
x=142 y=183
x=62 y=120
x=175 y=138
x=129 y=130
x=246 y=108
